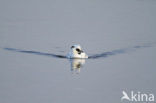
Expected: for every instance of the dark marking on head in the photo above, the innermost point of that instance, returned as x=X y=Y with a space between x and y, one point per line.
x=72 y=47
x=79 y=51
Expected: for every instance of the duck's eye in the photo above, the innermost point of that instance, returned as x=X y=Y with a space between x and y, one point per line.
x=72 y=46
x=78 y=50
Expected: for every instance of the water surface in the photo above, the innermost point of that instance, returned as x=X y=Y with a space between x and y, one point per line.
x=36 y=35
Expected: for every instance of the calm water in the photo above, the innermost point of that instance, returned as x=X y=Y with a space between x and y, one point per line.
x=32 y=33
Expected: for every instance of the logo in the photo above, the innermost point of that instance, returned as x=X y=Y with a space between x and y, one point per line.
x=137 y=97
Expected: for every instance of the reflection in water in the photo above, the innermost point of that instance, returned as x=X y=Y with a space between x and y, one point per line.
x=76 y=65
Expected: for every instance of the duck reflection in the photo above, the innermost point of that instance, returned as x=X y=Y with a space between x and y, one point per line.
x=76 y=65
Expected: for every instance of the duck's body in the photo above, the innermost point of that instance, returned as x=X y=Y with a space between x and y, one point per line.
x=76 y=52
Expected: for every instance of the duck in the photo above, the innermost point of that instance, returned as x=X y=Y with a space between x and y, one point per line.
x=76 y=52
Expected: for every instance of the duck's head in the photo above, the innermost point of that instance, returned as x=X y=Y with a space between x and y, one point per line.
x=76 y=49
x=77 y=52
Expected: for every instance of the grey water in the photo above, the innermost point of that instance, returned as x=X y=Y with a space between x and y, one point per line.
x=119 y=36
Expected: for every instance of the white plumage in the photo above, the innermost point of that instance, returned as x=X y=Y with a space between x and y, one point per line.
x=77 y=52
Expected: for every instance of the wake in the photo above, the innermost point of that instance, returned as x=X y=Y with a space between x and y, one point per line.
x=95 y=56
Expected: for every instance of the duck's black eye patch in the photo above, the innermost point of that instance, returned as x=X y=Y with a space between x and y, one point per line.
x=72 y=46
x=78 y=50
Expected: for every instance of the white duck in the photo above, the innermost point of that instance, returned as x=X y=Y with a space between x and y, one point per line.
x=77 y=52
